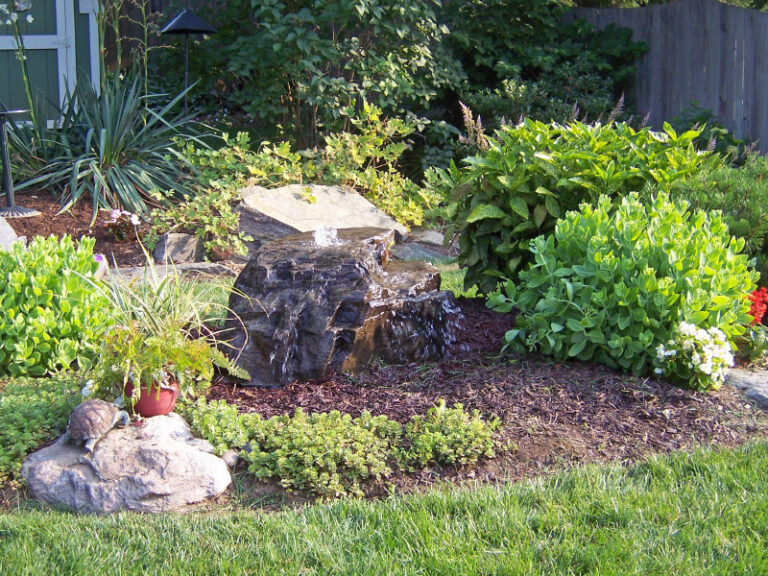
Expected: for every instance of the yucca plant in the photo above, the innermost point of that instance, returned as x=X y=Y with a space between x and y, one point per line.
x=121 y=148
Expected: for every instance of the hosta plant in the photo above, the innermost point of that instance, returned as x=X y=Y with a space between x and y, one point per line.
x=612 y=282
x=533 y=173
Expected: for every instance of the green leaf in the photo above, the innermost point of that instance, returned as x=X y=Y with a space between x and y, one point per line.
x=484 y=212
x=519 y=207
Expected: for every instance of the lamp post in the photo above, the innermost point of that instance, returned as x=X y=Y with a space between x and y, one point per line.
x=11 y=210
x=187 y=22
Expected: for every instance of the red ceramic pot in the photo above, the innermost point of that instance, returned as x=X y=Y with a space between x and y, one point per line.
x=155 y=401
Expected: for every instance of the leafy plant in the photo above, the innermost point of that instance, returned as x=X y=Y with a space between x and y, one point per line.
x=151 y=362
x=119 y=149
x=221 y=423
x=449 y=436
x=32 y=411
x=329 y=454
x=713 y=135
x=51 y=320
x=742 y=194
x=208 y=216
x=533 y=173
x=612 y=283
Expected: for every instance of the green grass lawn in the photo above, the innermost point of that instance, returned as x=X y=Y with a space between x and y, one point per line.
x=705 y=513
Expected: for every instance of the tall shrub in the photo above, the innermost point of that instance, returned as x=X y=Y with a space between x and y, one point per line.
x=534 y=172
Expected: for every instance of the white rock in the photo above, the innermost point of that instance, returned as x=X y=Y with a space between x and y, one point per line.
x=154 y=468
x=743 y=379
x=7 y=235
x=268 y=214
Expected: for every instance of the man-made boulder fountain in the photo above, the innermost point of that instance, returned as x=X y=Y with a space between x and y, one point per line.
x=311 y=303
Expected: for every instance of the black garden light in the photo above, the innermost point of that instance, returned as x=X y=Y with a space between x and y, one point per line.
x=186 y=23
x=11 y=210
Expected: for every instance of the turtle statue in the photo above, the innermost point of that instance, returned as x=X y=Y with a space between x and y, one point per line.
x=92 y=419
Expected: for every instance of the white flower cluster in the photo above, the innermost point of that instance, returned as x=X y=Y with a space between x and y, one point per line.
x=706 y=353
x=9 y=16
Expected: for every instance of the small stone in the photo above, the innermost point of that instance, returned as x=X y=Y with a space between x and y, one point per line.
x=415 y=251
x=179 y=248
x=759 y=395
x=743 y=379
x=154 y=468
x=231 y=458
x=7 y=235
x=428 y=237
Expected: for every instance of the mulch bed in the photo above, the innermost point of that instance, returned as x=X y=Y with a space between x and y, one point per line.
x=553 y=414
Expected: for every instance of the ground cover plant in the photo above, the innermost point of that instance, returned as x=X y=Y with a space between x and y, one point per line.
x=686 y=514
x=533 y=173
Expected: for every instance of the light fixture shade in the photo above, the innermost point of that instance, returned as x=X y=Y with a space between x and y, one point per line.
x=22 y=5
x=187 y=22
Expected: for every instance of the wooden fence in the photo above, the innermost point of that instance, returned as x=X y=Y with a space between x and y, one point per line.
x=700 y=51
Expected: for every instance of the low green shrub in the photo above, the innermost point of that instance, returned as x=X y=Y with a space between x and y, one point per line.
x=533 y=173
x=613 y=282
x=51 y=319
x=32 y=411
x=365 y=158
x=449 y=436
x=329 y=454
x=220 y=423
x=742 y=195
x=209 y=216
x=332 y=454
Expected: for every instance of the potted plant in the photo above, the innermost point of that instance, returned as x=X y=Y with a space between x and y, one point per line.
x=151 y=370
x=162 y=341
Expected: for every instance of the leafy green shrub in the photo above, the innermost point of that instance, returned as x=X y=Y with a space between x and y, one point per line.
x=32 y=412
x=742 y=194
x=329 y=454
x=220 y=423
x=118 y=149
x=449 y=436
x=714 y=136
x=534 y=172
x=208 y=216
x=365 y=158
x=612 y=282
x=51 y=319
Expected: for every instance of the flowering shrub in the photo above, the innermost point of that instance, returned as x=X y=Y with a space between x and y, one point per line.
x=122 y=224
x=695 y=357
x=759 y=299
x=9 y=15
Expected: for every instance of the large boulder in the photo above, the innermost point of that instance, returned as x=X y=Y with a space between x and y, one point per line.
x=271 y=213
x=302 y=307
x=154 y=468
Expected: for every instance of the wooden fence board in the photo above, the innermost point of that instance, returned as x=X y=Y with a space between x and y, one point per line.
x=699 y=51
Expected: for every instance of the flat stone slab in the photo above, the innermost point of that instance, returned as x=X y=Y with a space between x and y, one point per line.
x=191 y=270
x=179 y=248
x=268 y=214
x=158 y=467
x=7 y=234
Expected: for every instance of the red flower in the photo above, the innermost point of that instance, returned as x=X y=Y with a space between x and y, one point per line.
x=759 y=300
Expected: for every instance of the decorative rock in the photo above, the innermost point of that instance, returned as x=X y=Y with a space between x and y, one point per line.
x=189 y=270
x=155 y=468
x=744 y=379
x=269 y=214
x=308 y=308
x=759 y=395
x=179 y=248
x=417 y=251
x=7 y=235
x=428 y=237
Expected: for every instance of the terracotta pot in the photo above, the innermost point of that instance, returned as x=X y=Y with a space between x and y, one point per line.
x=153 y=402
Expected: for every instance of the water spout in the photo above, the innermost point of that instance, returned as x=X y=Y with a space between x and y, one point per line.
x=325 y=236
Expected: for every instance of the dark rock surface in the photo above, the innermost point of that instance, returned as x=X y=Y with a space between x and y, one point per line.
x=179 y=248
x=308 y=309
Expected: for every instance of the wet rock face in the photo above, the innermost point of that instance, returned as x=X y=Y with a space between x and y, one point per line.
x=308 y=308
